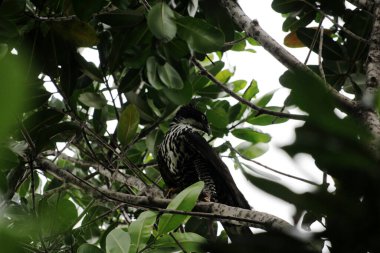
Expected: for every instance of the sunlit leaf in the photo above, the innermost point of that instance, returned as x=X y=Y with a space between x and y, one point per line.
x=88 y=248
x=250 y=151
x=190 y=242
x=140 y=230
x=184 y=201
x=251 y=135
x=118 y=241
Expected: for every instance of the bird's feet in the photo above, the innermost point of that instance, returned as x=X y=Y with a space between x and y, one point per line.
x=171 y=191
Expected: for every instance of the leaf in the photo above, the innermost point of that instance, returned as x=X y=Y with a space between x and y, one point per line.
x=286 y=6
x=130 y=81
x=128 y=124
x=122 y=18
x=8 y=30
x=3 y=50
x=41 y=119
x=264 y=100
x=151 y=73
x=179 y=97
x=251 y=135
x=88 y=248
x=118 y=241
x=92 y=99
x=331 y=49
x=251 y=91
x=84 y=9
x=190 y=242
x=291 y=40
x=89 y=69
x=200 y=35
x=265 y=119
x=79 y=33
x=238 y=85
x=291 y=23
x=250 y=151
x=184 y=201
x=170 y=77
x=160 y=22
x=140 y=230
x=218 y=117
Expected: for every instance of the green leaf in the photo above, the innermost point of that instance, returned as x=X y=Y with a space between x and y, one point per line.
x=251 y=91
x=151 y=73
x=184 y=201
x=250 y=151
x=218 y=117
x=170 y=77
x=84 y=9
x=291 y=23
x=3 y=50
x=122 y=18
x=286 y=6
x=239 y=85
x=140 y=230
x=200 y=35
x=118 y=241
x=8 y=159
x=264 y=100
x=92 y=99
x=41 y=119
x=190 y=242
x=89 y=69
x=80 y=33
x=56 y=215
x=179 y=97
x=8 y=30
x=88 y=248
x=251 y=135
x=160 y=22
x=130 y=81
x=265 y=119
x=128 y=124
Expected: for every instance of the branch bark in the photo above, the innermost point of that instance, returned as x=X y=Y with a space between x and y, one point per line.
x=254 y=30
x=370 y=116
x=363 y=4
x=211 y=210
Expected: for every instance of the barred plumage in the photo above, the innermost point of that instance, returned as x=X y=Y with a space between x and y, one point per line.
x=185 y=157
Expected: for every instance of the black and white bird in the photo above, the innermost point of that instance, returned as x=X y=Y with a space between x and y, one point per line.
x=185 y=157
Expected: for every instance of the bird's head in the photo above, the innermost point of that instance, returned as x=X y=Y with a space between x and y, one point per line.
x=189 y=115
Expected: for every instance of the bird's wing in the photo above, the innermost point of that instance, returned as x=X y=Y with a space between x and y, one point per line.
x=200 y=145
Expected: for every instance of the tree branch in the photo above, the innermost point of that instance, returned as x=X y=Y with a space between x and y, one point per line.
x=254 y=30
x=202 y=209
x=260 y=110
x=363 y=4
x=129 y=180
x=370 y=116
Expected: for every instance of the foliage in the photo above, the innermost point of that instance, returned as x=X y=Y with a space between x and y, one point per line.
x=55 y=101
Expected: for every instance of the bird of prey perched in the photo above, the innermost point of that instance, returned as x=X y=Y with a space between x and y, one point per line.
x=185 y=157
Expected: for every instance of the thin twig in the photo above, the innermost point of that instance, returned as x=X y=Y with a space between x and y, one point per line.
x=320 y=54
x=260 y=110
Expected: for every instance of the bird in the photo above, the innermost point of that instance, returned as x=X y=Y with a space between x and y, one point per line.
x=184 y=157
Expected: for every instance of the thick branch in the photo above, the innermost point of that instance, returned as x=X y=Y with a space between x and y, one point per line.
x=254 y=30
x=363 y=4
x=118 y=176
x=370 y=116
x=203 y=209
x=260 y=110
